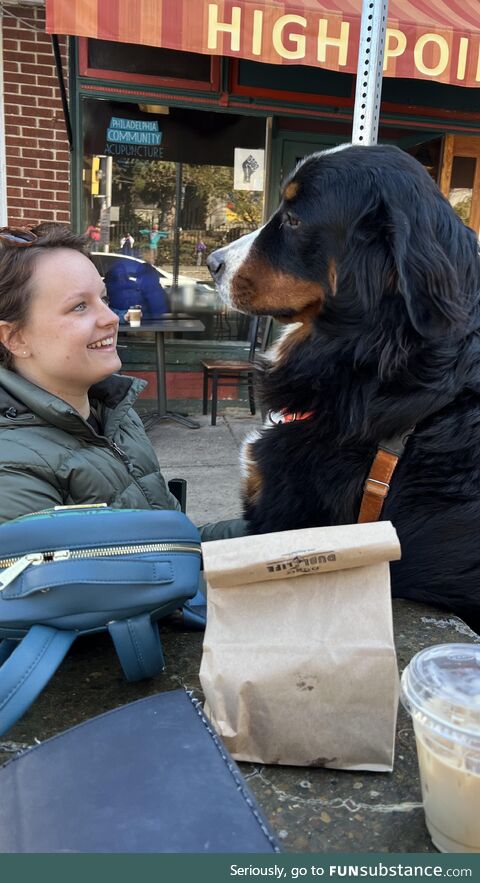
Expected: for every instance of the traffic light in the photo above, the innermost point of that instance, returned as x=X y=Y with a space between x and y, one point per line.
x=96 y=176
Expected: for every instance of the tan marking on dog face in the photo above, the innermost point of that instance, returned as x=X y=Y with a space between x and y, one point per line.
x=291 y=190
x=257 y=287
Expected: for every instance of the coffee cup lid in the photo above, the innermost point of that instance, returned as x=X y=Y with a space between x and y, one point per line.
x=441 y=689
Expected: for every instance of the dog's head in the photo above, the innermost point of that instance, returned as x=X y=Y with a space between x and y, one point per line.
x=356 y=226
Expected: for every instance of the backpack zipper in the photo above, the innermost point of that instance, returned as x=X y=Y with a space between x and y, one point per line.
x=13 y=567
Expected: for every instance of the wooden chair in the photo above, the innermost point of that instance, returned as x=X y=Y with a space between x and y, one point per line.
x=230 y=373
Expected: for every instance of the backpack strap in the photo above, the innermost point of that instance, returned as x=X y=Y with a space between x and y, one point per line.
x=194 y=611
x=138 y=646
x=27 y=670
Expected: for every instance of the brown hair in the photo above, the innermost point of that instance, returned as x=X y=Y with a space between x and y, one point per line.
x=17 y=266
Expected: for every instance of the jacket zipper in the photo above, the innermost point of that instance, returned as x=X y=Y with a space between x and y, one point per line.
x=109 y=443
x=128 y=466
x=13 y=567
x=121 y=454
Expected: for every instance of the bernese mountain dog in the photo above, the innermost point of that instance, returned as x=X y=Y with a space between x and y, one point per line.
x=378 y=282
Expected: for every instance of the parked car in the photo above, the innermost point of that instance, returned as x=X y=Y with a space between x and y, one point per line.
x=195 y=298
x=105 y=260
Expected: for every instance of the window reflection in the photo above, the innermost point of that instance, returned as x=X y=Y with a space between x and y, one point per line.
x=428 y=154
x=166 y=186
x=461 y=186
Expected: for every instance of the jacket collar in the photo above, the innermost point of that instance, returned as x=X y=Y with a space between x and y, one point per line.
x=21 y=399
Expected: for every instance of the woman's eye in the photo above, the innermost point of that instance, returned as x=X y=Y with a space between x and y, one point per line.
x=291 y=220
x=80 y=307
x=106 y=299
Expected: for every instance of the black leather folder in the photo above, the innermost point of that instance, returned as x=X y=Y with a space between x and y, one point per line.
x=151 y=776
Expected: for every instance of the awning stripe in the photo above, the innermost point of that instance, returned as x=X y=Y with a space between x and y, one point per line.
x=437 y=41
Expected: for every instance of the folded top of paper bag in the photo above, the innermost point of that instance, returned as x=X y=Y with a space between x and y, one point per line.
x=295 y=552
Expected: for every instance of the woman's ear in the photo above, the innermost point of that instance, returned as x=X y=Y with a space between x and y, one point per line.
x=426 y=278
x=13 y=340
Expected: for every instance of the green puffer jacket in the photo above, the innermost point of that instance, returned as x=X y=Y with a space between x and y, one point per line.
x=50 y=456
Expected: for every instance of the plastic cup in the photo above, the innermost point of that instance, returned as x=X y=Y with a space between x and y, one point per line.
x=134 y=316
x=440 y=688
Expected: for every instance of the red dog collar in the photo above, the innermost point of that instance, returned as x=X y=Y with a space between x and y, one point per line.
x=279 y=417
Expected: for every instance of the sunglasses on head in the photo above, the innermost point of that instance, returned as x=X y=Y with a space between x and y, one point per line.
x=18 y=236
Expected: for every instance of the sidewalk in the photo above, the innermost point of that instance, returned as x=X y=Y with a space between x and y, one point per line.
x=209 y=458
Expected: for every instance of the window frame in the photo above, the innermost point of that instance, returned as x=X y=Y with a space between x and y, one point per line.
x=102 y=74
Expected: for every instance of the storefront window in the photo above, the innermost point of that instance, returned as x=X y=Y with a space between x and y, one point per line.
x=461 y=186
x=150 y=61
x=167 y=186
x=428 y=153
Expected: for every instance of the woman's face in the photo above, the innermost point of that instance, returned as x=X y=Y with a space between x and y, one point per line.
x=68 y=341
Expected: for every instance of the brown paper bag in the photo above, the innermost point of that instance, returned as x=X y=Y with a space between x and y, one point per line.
x=299 y=663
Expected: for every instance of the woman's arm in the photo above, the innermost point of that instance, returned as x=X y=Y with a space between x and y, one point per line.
x=223 y=530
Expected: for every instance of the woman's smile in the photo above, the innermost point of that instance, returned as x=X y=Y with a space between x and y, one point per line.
x=104 y=343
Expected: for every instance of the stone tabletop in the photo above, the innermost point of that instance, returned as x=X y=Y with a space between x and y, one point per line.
x=311 y=810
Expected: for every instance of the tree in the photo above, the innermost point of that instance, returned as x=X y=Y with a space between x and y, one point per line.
x=217 y=182
x=153 y=184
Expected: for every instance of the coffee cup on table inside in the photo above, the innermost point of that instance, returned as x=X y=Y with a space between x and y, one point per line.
x=440 y=688
x=134 y=316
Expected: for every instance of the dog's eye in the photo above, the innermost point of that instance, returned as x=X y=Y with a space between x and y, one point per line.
x=291 y=220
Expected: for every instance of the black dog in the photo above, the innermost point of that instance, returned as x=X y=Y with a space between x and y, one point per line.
x=384 y=279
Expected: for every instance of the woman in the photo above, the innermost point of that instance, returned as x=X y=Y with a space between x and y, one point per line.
x=68 y=430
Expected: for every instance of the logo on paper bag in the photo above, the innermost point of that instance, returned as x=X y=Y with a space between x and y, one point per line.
x=302 y=563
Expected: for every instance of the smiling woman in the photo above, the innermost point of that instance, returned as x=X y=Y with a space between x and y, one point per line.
x=68 y=430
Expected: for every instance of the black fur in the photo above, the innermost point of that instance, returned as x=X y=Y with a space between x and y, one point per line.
x=396 y=347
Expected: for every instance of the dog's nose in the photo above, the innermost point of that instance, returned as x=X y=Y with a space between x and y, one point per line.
x=216 y=264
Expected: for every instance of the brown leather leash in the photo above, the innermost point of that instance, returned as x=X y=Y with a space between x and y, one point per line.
x=377 y=485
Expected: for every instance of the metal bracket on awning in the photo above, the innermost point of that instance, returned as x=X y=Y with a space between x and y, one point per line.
x=63 y=92
x=369 y=72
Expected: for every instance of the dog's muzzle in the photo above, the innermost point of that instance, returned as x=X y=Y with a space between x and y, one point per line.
x=216 y=265
x=224 y=263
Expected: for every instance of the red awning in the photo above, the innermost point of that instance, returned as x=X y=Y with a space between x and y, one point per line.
x=428 y=39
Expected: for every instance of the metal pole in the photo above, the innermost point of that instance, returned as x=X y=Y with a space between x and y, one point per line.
x=179 y=200
x=369 y=71
x=108 y=181
x=268 y=165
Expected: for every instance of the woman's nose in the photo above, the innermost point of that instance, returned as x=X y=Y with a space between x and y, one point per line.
x=108 y=317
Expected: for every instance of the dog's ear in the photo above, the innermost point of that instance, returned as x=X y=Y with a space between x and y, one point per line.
x=426 y=278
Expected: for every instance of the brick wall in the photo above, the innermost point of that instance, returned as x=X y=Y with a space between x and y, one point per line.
x=37 y=150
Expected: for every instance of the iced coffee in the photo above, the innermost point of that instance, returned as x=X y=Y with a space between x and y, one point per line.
x=441 y=690
x=134 y=316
